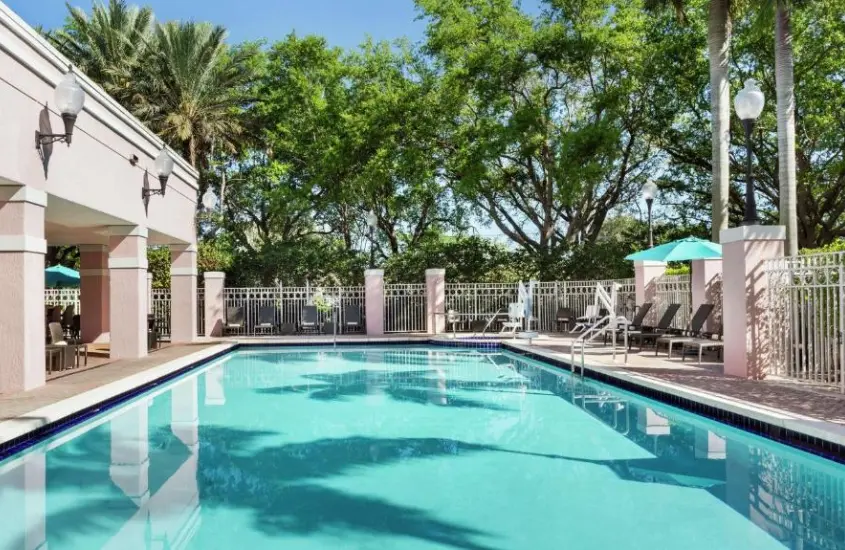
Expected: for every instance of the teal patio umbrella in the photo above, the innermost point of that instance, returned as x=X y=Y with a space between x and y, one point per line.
x=681 y=250
x=59 y=275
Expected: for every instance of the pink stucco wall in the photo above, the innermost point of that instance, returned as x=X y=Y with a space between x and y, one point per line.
x=128 y=287
x=706 y=280
x=215 y=312
x=435 y=286
x=94 y=287
x=374 y=301
x=183 y=293
x=645 y=274
x=744 y=284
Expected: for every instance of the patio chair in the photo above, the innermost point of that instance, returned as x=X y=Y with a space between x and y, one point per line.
x=693 y=331
x=453 y=318
x=266 y=320
x=516 y=313
x=706 y=341
x=650 y=334
x=636 y=323
x=67 y=318
x=352 y=318
x=69 y=350
x=55 y=315
x=153 y=333
x=590 y=316
x=564 y=316
x=234 y=320
x=310 y=321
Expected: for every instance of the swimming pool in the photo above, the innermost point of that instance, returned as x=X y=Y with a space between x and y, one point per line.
x=411 y=448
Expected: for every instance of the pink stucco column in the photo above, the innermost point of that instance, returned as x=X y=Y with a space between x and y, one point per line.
x=183 y=293
x=645 y=274
x=215 y=310
x=706 y=279
x=744 y=285
x=435 y=292
x=128 y=288
x=94 y=292
x=374 y=301
x=22 y=322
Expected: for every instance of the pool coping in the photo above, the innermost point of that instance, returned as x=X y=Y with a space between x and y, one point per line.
x=813 y=435
x=819 y=437
x=30 y=428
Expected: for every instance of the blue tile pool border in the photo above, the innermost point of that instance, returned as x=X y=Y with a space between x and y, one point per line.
x=42 y=433
x=817 y=446
x=813 y=445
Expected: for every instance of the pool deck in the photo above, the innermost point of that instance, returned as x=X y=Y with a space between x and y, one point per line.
x=813 y=410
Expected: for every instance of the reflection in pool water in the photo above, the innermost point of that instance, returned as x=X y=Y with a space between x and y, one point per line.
x=411 y=448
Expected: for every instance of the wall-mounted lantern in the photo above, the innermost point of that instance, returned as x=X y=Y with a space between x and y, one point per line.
x=70 y=98
x=163 y=167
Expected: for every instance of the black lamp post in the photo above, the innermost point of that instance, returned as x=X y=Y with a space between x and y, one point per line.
x=372 y=222
x=649 y=192
x=748 y=104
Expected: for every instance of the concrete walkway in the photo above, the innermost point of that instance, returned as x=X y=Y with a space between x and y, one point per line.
x=818 y=402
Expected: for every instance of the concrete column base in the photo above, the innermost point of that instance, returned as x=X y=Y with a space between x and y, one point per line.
x=183 y=293
x=215 y=307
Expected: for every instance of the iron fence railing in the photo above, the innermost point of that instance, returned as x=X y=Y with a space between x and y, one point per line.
x=63 y=297
x=806 y=321
x=287 y=304
x=160 y=309
x=481 y=301
x=200 y=312
x=405 y=308
x=673 y=289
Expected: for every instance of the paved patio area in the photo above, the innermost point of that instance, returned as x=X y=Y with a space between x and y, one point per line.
x=75 y=382
x=820 y=402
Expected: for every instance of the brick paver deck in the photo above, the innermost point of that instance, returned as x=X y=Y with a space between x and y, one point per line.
x=823 y=403
x=14 y=405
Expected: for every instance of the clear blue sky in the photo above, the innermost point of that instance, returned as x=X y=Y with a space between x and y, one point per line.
x=343 y=22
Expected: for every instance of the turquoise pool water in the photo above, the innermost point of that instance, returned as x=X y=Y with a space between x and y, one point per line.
x=411 y=448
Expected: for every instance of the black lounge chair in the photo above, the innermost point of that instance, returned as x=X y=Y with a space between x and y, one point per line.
x=650 y=334
x=266 y=320
x=693 y=331
x=352 y=318
x=310 y=321
x=564 y=316
x=636 y=323
x=234 y=320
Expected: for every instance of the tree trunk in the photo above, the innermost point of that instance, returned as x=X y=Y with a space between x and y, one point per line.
x=719 y=45
x=784 y=68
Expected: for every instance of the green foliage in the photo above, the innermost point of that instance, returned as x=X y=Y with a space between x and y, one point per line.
x=680 y=269
x=465 y=259
x=158 y=263
x=836 y=246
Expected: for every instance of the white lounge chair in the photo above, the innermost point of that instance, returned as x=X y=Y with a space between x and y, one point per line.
x=590 y=316
x=516 y=313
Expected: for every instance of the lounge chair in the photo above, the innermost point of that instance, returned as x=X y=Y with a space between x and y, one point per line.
x=516 y=313
x=310 y=321
x=69 y=350
x=564 y=316
x=234 y=320
x=693 y=331
x=266 y=320
x=590 y=316
x=706 y=341
x=287 y=329
x=650 y=334
x=352 y=318
x=636 y=323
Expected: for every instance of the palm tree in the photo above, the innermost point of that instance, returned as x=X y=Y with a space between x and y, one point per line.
x=785 y=91
x=193 y=88
x=108 y=46
x=719 y=29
